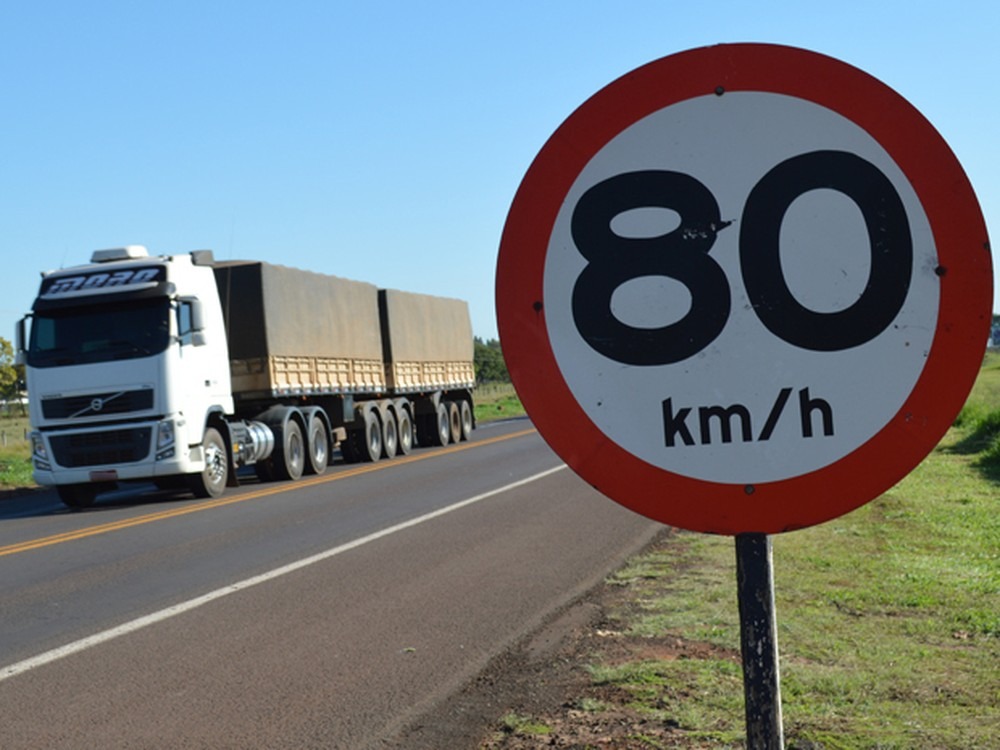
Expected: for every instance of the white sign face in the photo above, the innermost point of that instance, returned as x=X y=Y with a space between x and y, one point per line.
x=741 y=288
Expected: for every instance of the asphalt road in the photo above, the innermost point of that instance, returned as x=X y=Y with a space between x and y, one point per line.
x=327 y=613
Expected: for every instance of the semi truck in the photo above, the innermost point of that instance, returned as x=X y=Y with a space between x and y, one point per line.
x=192 y=373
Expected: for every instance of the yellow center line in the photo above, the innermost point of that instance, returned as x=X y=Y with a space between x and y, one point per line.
x=106 y=528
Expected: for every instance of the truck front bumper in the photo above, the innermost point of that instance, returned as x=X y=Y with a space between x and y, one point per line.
x=111 y=453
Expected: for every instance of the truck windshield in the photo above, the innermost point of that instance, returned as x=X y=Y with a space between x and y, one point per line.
x=99 y=333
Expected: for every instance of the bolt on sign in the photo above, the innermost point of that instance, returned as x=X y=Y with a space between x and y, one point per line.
x=744 y=289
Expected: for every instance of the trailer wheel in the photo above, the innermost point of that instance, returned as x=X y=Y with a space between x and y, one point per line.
x=405 y=433
x=77 y=496
x=466 y=409
x=443 y=432
x=291 y=461
x=368 y=440
x=318 y=447
x=211 y=481
x=454 y=422
x=390 y=436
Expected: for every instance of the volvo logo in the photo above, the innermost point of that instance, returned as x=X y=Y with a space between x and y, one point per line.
x=97 y=404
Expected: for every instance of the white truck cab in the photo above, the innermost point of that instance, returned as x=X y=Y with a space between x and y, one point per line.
x=126 y=360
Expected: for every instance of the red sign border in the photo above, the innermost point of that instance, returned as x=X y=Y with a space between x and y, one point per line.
x=953 y=362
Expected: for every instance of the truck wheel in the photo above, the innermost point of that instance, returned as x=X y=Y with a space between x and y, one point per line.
x=77 y=496
x=319 y=447
x=291 y=461
x=466 y=409
x=371 y=449
x=211 y=482
x=390 y=436
x=443 y=432
x=454 y=422
x=405 y=433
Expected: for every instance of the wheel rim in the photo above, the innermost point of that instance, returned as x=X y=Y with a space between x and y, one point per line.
x=296 y=454
x=390 y=437
x=374 y=437
x=466 y=420
x=319 y=447
x=454 y=423
x=215 y=465
x=444 y=424
x=405 y=433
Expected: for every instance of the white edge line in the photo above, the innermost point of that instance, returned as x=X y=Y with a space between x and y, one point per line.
x=164 y=614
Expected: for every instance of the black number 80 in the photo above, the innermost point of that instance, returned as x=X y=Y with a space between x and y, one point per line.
x=683 y=255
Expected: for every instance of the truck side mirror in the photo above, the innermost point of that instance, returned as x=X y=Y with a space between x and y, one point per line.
x=192 y=315
x=19 y=342
x=197 y=323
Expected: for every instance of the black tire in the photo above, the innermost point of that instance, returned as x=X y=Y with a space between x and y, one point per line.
x=443 y=432
x=318 y=447
x=390 y=436
x=77 y=496
x=454 y=422
x=466 y=410
x=290 y=461
x=371 y=435
x=211 y=481
x=405 y=425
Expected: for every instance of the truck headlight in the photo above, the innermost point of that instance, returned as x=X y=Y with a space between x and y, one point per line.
x=39 y=456
x=164 y=440
x=38 y=447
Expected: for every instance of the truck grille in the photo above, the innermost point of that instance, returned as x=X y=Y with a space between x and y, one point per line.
x=96 y=448
x=97 y=404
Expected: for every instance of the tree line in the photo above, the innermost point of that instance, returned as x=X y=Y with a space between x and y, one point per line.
x=11 y=375
x=489 y=362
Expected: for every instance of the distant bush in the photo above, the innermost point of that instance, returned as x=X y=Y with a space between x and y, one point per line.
x=489 y=362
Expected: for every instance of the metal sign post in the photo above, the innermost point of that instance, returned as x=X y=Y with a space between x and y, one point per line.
x=759 y=642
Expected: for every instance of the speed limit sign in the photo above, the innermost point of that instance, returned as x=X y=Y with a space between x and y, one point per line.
x=744 y=288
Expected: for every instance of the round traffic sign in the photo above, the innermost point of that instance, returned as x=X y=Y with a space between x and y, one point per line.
x=744 y=288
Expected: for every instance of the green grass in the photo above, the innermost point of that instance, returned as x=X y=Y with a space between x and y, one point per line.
x=496 y=401
x=888 y=618
x=513 y=723
x=980 y=417
x=15 y=453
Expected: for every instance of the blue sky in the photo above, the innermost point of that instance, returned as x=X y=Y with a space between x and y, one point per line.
x=381 y=142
